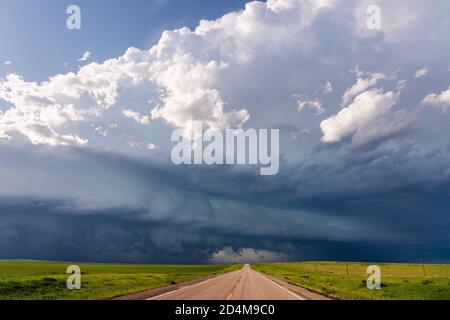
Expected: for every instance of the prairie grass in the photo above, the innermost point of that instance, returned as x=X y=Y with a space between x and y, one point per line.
x=348 y=280
x=40 y=280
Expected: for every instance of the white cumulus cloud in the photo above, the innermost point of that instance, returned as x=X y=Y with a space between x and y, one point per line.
x=370 y=116
x=440 y=100
x=328 y=88
x=85 y=56
x=421 y=73
x=144 y=120
x=219 y=73
x=304 y=103
x=361 y=85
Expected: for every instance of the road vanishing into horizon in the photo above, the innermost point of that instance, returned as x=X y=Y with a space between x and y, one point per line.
x=244 y=284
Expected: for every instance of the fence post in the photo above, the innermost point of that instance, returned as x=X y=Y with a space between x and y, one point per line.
x=423 y=267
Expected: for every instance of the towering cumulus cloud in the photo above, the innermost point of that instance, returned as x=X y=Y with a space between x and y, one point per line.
x=85 y=156
x=186 y=69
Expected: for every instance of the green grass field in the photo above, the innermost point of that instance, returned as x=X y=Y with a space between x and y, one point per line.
x=29 y=280
x=399 y=281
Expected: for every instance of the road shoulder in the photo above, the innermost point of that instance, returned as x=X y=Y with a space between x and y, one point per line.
x=303 y=292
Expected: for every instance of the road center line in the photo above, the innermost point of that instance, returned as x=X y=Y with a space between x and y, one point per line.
x=230 y=295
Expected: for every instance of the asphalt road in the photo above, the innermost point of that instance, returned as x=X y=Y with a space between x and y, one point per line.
x=244 y=284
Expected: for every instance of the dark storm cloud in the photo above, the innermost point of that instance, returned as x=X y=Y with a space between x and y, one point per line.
x=76 y=204
x=36 y=235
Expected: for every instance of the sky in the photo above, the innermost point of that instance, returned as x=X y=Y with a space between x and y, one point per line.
x=86 y=118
